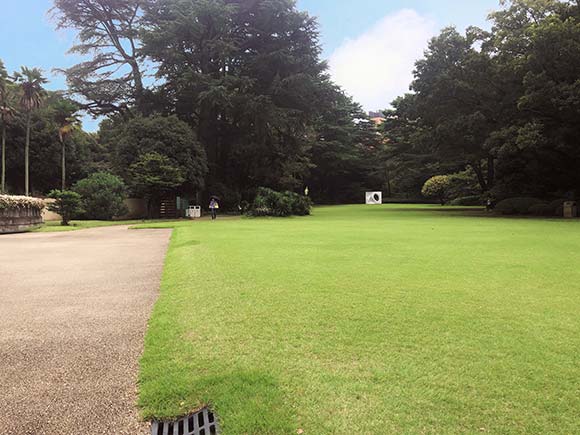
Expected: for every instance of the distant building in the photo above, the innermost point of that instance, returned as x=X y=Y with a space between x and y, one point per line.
x=377 y=117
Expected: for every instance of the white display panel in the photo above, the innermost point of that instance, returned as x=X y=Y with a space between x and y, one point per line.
x=374 y=198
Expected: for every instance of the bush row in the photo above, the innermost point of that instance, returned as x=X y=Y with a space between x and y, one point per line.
x=530 y=206
x=100 y=196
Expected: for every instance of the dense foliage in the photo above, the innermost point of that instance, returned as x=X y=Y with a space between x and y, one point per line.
x=103 y=195
x=503 y=104
x=242 y=99
x=269 y=202
x=437 y=187
x=154 y=175
x=241 y=87
x=67 y=204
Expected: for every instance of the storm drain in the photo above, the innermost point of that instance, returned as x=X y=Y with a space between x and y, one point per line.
x=202 y=422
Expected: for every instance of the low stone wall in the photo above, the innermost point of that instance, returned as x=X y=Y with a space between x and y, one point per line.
x=18 y=220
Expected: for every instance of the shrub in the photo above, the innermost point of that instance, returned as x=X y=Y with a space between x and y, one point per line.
x=103 y=196
x=301 y=205
x=269 y=202
x=515 y=206
x=463 y=184
x=67 y=204
x=467 y=201
x=437 y=187
x=543 y=209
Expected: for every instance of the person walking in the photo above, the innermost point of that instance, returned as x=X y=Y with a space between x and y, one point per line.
x=214 y=206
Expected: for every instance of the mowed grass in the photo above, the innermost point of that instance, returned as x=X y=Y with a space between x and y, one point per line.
x=370 y=320
x=55 y=226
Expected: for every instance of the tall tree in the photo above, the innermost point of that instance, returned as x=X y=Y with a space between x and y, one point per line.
x=32 y=93
x=345 y=153
x=246 y=76
x=7 y=112
x=67 y=121
x=112 y=80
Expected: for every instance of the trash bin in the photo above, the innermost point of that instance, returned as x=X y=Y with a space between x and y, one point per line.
x=570 y=209
x=193 y=212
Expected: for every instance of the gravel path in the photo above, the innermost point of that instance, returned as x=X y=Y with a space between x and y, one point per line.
x=73 y=312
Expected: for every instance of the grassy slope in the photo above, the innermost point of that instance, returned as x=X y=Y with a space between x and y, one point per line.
x=370 y=321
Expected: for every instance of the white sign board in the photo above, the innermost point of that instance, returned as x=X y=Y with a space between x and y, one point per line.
x=374 y=198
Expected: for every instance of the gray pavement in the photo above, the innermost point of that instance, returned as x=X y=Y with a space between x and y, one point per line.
x=73 y=313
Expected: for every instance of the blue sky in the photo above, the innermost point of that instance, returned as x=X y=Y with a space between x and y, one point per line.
x=370 y=44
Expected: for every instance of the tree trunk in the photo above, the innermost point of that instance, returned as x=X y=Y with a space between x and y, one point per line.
x=388 y=183
x=480 y=177
x=149 y=202
x=490 y=172
x=63 y=144
x=27 y=157
x=3 y=188
x=139 y=88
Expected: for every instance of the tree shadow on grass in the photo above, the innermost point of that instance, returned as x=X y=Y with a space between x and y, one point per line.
x=473 y=212
x=247 y=402
x=186 y=244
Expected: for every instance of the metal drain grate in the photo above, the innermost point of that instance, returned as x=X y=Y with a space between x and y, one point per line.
x=202 y=422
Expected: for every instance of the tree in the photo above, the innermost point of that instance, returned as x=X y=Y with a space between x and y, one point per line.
x=458 y=95
x=345 y=155
x=7 y=112
x=410 y=155
x=67 y=121
x=103 y=195
x=247 y=77
x=32 y=93
x=154 y=174
x=165 y=135
x=66 y=203
x=84 y=154
x=437 y=187
x=109 y=35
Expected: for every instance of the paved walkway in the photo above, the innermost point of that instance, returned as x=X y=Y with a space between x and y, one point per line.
x=73 y=312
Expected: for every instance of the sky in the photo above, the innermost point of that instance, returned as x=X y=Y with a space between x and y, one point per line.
x=370 y=45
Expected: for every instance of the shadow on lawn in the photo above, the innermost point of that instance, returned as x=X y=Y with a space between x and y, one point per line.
x=186 y=244
x=475 y=212
x=252 y=401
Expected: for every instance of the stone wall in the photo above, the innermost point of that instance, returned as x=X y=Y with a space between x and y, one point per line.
x=18 y=220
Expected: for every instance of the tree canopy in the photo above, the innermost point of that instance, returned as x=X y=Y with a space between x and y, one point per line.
x=233 y=95
x=503 y=103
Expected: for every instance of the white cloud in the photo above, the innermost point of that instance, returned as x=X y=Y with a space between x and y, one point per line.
x=377 y=66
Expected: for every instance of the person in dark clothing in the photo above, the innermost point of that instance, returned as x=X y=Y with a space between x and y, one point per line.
x=213 y=206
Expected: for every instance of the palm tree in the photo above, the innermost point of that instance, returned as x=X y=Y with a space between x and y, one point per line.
x=67 y=120
x=31 y=81
x=6 y=113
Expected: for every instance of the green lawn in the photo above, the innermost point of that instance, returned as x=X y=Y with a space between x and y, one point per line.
x=370 y=320
x=55 y=226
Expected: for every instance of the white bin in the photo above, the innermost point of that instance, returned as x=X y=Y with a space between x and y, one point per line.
x=193 y=212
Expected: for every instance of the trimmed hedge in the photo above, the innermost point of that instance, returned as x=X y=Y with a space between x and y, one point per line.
x=269 y=202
